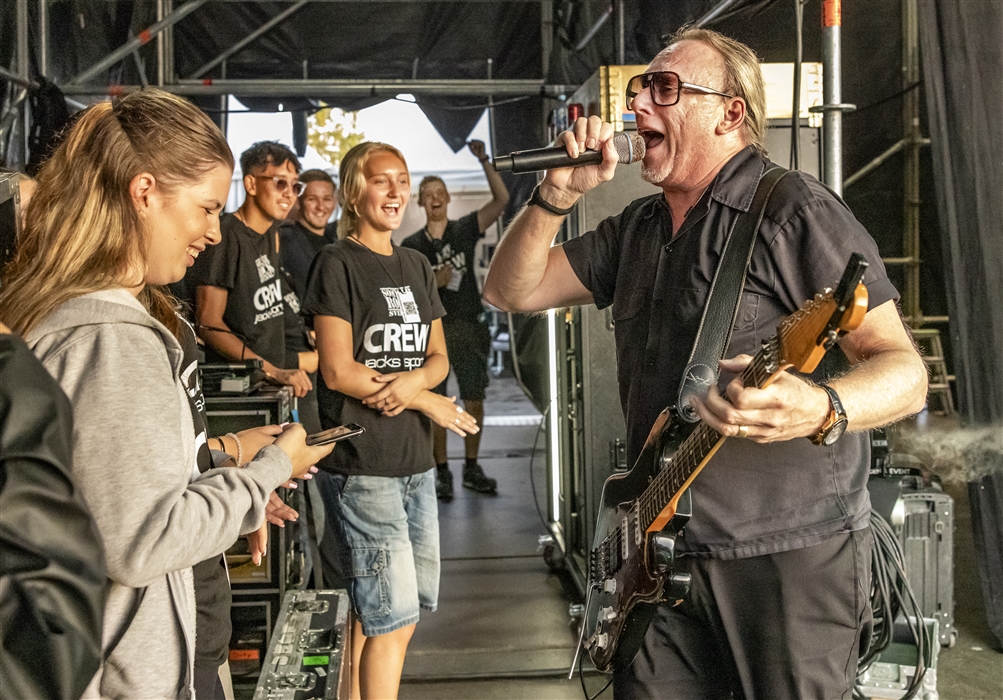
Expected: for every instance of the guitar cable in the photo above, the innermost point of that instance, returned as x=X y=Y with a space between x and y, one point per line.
x=532 y=457
x=581 y=677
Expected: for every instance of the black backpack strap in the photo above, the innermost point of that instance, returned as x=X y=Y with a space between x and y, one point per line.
x=721 y=308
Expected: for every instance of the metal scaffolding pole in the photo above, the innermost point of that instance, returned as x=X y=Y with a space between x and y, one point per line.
x=263 y=29
x=347 y=87
x=832 y=108
x=714 y=13
x=619 y=32
x=24 y=70
x=139 y=40
x=43 y=38
x=168 y=35
x=546 y=36
x=595 y=28
x=913 y=142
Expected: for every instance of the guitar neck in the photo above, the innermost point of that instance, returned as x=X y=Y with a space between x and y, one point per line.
x=700 y=445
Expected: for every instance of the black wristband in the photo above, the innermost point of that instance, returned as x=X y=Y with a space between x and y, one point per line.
x=536 y=200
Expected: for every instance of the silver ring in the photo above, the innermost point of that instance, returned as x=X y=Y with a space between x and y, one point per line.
x=743 y=431
x=459 y=409
x=457 y=421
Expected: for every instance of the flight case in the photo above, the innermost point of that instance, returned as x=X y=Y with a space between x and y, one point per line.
x=310 y=651
x=922 y=517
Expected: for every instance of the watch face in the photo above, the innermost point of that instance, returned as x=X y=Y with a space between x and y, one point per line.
x=835 y=432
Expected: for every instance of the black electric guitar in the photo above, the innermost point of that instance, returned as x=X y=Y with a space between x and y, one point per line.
x=631 y=563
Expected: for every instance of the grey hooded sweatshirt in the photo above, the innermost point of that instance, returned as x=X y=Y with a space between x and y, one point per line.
x=134 y=461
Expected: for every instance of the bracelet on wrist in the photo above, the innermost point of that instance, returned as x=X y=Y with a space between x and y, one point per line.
x=538 y=201
x=240 y=452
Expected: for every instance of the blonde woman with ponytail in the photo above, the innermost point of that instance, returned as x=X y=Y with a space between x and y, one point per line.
x=123 y=207
x=377 y=315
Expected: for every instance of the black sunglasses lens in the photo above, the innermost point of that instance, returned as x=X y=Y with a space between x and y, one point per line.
x=664 y=88
x=634 y=88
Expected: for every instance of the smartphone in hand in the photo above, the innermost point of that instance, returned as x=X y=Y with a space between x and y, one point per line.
x=342 y=432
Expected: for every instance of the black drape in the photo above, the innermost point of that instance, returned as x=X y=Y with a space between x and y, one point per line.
x=962 y=49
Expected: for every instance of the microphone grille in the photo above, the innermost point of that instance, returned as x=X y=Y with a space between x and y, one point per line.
x=629 y=147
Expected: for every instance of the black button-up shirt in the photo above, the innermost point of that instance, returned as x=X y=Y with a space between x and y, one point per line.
x=750 y=499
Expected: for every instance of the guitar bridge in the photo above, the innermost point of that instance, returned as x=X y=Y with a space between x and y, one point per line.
x=623 y=540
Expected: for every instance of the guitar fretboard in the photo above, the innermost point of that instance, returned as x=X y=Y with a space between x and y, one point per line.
x=695 y=448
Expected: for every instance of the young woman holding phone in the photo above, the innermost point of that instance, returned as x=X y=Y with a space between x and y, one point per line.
x=376 y=313
x=125 y=205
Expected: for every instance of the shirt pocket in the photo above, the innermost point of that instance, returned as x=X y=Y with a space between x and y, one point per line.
x=627 y=305
x=748 y=312
x=630 y=328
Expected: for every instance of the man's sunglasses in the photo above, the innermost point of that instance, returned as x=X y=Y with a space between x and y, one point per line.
x=665 y=87
x=281 y=184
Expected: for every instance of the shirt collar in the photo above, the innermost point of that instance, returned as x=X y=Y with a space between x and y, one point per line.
x=736 y=184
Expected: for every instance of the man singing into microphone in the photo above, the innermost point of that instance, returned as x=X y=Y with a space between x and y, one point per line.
x=778 y=546
x=449 y=247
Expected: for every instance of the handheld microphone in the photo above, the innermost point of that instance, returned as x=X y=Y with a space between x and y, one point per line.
x=629 y=148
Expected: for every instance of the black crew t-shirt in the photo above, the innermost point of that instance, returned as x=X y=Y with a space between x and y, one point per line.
x=751 y=498
x=247 y=265
x=212 y=587
x=390 y=301
x=460 y=297
x=299 y=246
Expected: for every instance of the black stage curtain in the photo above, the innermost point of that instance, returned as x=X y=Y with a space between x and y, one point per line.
x=962 y=49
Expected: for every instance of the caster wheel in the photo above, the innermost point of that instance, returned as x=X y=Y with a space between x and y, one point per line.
x=553 y=557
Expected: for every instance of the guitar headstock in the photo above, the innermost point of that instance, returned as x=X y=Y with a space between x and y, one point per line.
x=807 y=334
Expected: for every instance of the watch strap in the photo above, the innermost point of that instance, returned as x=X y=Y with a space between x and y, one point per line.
x=836 y=415
x=837 y=405
x=537 y=200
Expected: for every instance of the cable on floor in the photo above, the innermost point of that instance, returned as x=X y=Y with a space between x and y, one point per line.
x=532 y=480
x=891 y=594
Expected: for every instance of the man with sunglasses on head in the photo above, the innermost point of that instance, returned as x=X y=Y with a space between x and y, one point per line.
x=244 y=306
x=778 y=546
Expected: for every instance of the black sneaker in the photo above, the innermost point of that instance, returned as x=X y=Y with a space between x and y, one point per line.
x=443 y=484
x=474 y=479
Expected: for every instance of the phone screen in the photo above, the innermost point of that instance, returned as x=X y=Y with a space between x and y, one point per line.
x=342 y=432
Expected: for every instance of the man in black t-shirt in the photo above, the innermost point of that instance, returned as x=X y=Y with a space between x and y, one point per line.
x=302 y=238
x=241 y=295
x=449 y=247
x=778 y=545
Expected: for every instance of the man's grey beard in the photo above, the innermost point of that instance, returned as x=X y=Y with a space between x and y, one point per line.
x=654 y=175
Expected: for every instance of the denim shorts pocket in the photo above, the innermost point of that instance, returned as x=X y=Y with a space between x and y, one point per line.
x=370 y=585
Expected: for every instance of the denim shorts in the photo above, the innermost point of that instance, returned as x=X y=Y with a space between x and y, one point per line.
x=389 y=527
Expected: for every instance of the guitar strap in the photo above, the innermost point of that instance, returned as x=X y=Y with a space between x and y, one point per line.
x=721 y=308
